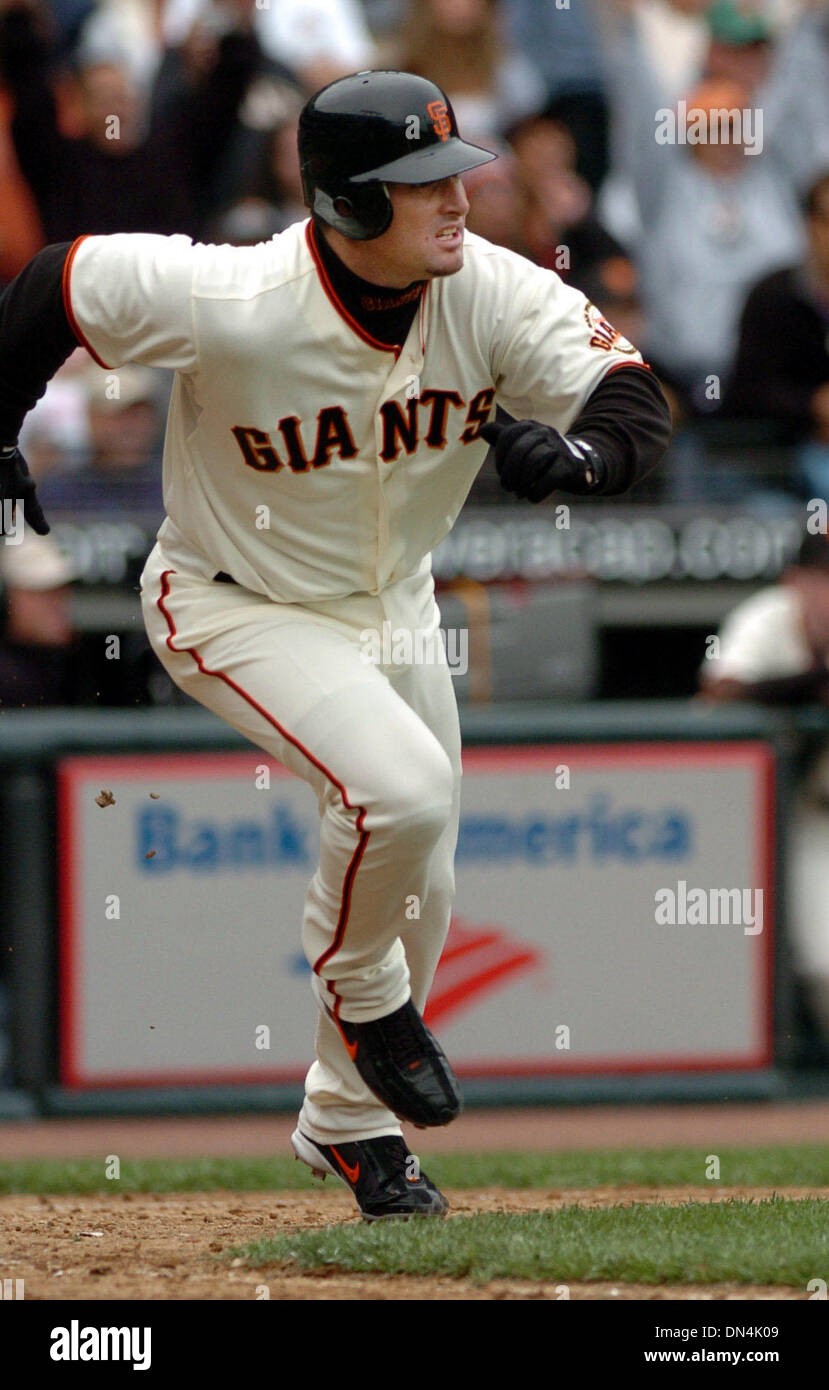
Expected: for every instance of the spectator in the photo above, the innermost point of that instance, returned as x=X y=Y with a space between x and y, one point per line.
x=675 y=38
x=718 y=218
x=656 y=51
x=246 y=223
x=782 y=367
x=272 y=199
x=740 y=43
x=122 y=473
x=798 y=99
x=21 y=234
x=36 y=636
x=122 y=171
x=774 y=648
x=560 y=229
x=69 y=17
x=786 y=72
x=563 y=47
x=317 y=40
x=271 y=97
x=497 y=200
x=55 y=435
x=459 y=45
x=133 y=29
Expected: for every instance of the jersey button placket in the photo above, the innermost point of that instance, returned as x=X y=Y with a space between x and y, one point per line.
x=405 y=367
x=382 y=519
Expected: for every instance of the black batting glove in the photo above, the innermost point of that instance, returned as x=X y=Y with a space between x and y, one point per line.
x=18 y=485
x=534 y=460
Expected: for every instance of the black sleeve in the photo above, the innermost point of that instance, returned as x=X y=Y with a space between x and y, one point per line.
x=35 y=336
x=628 y=422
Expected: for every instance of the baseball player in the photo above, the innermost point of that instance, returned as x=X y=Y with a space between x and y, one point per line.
x=333 y=400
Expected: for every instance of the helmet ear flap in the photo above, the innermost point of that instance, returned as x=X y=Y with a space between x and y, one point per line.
x=371 y=127
x=360 y=212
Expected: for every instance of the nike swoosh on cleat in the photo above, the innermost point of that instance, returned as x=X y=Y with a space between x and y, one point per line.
x=351 y=1173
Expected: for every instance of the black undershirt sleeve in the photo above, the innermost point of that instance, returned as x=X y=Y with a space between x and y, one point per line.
x=628 y=422
x=35 y=336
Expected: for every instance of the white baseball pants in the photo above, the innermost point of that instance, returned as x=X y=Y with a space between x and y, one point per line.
x=380 y=746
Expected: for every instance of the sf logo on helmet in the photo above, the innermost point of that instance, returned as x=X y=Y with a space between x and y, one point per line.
x=441 y=124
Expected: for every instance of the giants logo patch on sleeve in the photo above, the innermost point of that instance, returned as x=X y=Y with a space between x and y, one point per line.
x=603 y=334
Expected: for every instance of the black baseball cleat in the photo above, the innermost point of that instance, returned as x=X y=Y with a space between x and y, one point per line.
x=403 y=1065
x=384 y=1177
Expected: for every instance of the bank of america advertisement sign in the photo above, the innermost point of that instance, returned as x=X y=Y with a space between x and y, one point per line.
x=613 y=914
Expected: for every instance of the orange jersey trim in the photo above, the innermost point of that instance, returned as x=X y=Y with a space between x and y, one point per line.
x=310 y=237
x=617 y=367
x=67 y=303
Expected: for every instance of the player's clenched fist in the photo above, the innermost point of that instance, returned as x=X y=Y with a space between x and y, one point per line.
x=534 y=460
x=18 y=485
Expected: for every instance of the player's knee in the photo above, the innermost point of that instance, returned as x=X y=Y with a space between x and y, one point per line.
x=419 y=804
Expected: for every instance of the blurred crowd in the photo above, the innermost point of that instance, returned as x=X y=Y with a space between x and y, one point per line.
x=670 y=158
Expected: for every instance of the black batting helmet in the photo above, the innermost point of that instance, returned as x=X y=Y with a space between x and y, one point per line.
x=363 y=131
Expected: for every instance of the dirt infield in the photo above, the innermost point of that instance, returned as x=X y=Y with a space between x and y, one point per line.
x=136 y=1246
x=165 y=1247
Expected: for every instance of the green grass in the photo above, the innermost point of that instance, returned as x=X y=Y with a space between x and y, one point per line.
x=777 y=1241
x=804 y=1165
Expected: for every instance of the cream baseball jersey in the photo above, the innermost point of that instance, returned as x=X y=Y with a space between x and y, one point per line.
x=303 y=457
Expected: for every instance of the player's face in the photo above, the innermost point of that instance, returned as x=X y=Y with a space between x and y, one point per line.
x=425 y=238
